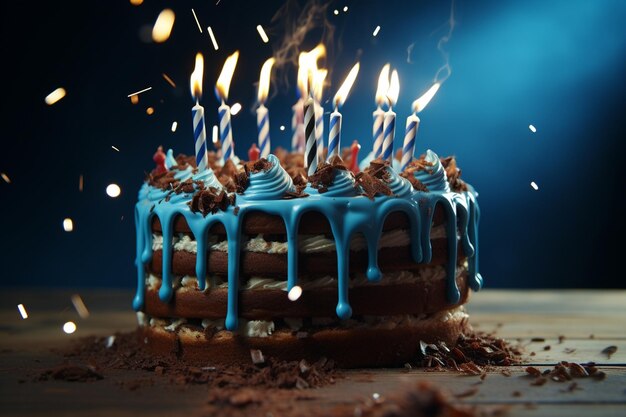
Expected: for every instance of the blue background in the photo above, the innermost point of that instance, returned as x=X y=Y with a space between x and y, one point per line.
x=558 y=65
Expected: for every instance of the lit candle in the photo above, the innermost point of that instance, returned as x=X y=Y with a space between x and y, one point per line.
x=221 y=90
x=262 y=114
x=199 y=130
x=334 y=134
x=389 y=122
x=412 y=123
x=310 y=149
x=297 y=126
x=318 y=85
x=379 y=114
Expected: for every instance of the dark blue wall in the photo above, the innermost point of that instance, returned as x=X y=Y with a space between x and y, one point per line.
x=558 y=65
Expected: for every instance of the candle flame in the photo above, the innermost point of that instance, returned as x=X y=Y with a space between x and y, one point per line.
x=421 y=103
x=223 y=82
x=307 y=68
x=394 y=89
x=318 y=83
x=196 y=77
x=264 y=81
x=383 y=86
x=342 y=94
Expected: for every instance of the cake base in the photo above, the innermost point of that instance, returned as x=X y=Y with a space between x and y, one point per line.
x=359 y=347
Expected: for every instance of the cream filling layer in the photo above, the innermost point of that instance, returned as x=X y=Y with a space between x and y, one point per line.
x=424 y=276
x=264 y=328
x=306 y=243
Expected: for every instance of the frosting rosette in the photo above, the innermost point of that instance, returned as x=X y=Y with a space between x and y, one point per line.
x=400 y=187
x=269 y=184
x=433 y=177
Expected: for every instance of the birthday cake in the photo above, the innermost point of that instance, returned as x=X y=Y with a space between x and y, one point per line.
x=253 y=260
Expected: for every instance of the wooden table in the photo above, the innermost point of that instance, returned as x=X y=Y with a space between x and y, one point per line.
x=589 y=320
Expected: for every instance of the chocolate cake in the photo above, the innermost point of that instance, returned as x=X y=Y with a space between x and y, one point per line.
x=246 y=261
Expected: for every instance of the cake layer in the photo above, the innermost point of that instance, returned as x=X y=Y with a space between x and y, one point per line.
x=350 y=347
x=419 y=297
x=258 y=222
x=312 y=264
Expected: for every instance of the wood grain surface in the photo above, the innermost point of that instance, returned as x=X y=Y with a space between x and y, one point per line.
x=552 y=325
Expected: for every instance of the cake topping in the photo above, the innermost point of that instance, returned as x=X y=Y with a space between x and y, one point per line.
x=210 y=200
x=333 y=179
x=267 y=180
x=454 y=174
x=429 y=171
x=374 y=180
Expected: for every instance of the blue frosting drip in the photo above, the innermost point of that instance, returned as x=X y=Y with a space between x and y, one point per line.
x=271 y=184
x=434 y=178
x=347 y=215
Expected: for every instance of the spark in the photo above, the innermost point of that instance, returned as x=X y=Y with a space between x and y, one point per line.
x=532 y=128
x=113 y=190
x=81 y=182
x=236 y=108
x=68 y=225
x=55 y=96
x=376 y=31
x=150 y=111
x=336 y=12
x=294 y=293
x=23 y=311
x=262 y=33
x=534 y=185
x=174 y=126
x=134 y=99
x=69 y=327
x=376 y=396
x=114 y=148
x=136 y=2
x=5 y=177
x=215 y=134
x=197 y=22
x=80 y=306
x=162 y=28
x=282 y=127
x=169 y=80
x=212 y=38
x=345 y=8
x=140 y=91
x=110 y=341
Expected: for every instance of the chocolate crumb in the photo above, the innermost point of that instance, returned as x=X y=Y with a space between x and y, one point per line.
x=609 y=351
x=531 y=370
x=516 y=394
x=467 y=393
x=569 y=350
x=539 y=381
x=537 y=339
x=561 y=338
x=72 y=372
x=547 y=347
x=257 y=356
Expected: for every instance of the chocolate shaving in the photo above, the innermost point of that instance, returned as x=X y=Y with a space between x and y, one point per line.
x=325 y=174
x=454 y=174
x=210 y=201
x=609 y=351
x=259 y=165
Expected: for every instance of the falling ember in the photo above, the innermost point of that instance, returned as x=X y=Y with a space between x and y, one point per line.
x=68 y=225
x=163 y=26
x=345 y=8
x=174 y=126
x=282 y=127
x=532 y=128
x=55 y=96
x=213 y=40
x=215 y=134
x=169 y=80
x=81 y=183
x=376 y=31
x=236 y=108
x=5 y=177
x=150 y=111
x=136 y=2
x=140 y=91
x=134 y=99
x=114 y=148
x=196 y=18
x=69 y=327
x=534 y=185
x=80 y=306
x=262 y=33
x=113 y=190
x=22 y=311
x=336 y=12
x=294 y=293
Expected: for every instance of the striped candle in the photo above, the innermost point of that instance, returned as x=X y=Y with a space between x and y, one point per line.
x=408 y=148
x=334 y=134
x=297 y=126
x=310 y=149
x=377 y=131
x=319 y=130
x=226 y=133
x=389 y=131
x=199 y=134
x=263 y=123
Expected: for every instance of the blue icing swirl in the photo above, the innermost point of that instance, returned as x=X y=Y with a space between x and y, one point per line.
x=434 y=178
x=170 y=161
x=269 y=185
x=400 y=187
x=343 y=185
x=208 y=177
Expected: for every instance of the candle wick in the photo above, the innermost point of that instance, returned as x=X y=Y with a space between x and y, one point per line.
x=223 y=103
